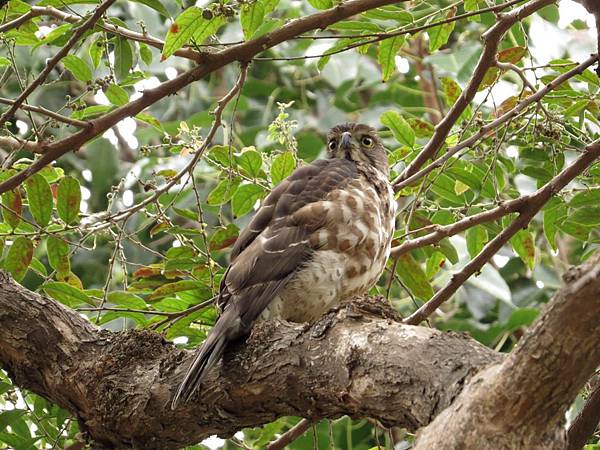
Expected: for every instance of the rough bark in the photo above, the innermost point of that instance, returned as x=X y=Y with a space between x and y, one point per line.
x=357 y=360
x=119 y=385
x=521 y=403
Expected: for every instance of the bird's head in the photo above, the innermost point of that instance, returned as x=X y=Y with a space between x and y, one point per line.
x=359 y=143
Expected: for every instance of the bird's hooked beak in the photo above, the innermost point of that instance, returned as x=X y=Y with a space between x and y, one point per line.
x=345 y=142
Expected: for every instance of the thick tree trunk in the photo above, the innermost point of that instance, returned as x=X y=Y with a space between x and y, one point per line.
x=358 y=360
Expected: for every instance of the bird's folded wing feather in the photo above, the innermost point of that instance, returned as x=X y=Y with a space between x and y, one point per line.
x=277 y=242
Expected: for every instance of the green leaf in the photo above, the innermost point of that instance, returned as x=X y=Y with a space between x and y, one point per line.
x=251 y=17
x=438 y=36
x=400 y=127
x=150 y=120
x=434 y=263
x=145 y=53
x=13 y=207
x=96 y=51
x=19 y=257
x=413 y=277
x=7 y=418
x=66 y=294
x=250 y=161
x=178 y=286
x=477 y=237
x=590 y=197
x=388 y=49
x=190 y=24
x=40 y=200
x=126 y=300
x=91 y=111
x=58 y=255
x=245 y=197
x=554 y=212
x=4 y=61
x=155 y=5
x=224 y=237
x=223 y=191
x=321 y=4
x=523 y=245
x=283 y=165
x=123 y=58
x=116 y=95
x=78 y=67
x=512 y=55
x=68 y=200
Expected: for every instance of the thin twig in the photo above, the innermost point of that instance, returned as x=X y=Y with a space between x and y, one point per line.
x=52 y=62
x=484 y=130
x=533 y=204
x=53 y=115
x=492 y=38
x=290 y=435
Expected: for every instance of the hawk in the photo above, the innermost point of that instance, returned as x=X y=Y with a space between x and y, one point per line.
x=321 y=236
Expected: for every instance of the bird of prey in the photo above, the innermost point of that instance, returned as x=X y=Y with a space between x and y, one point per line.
x=321 y=236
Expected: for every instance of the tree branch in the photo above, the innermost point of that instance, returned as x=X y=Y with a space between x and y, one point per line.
x=492 y=39
x=212 y=61
x=356 y=360
x=60 y=54
x=587 y=420
x=484 y=130
x=522 y=402
x=529 y=208
x=119 y=385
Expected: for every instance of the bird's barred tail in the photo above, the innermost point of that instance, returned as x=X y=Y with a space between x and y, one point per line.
x=205 y=358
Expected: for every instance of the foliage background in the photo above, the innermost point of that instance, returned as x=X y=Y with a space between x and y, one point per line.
x=74 y=231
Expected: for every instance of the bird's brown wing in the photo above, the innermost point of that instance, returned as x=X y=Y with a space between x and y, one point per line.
x=266 y=255
x=276 y=242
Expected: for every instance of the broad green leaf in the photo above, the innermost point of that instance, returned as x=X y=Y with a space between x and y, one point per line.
x=19 y=257
x=173 y=288
x=78 y=67
x=388 y=49
x=422 y=128
x=523 y=245
x=245 y=197
x=58 y=255
x=223 y=191
x=66 y=294
x=91 y=111
x=438 y=36
x=13 y=207
x=251 y=162
x=399 y=126
x=321 y=4
x=68 y=200
x=96 y=51
x=283 y=165
x=413 y=277
x=477 y=237
x=190 y=24
x=434 y=264
x=123 y=57
x=145 y=53
x=116 y=95
x=512 y=55
x=590 y=197
x=7 y=418
x=150 y=120
x=224 y=237
x=251 y=17
x=4 y=61
x=126 y=300
x=155 y=5
x=39 y=196
x=522 y=317
x=554 y=212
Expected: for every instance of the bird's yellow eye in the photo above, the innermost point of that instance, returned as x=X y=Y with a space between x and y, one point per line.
x=367 y=141
x=332 y=144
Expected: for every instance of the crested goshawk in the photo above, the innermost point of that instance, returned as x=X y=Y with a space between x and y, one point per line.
x=321 y=236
